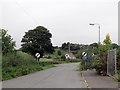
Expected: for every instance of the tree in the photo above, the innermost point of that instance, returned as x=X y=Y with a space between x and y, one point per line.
x=115 y=46
x=94 y=45
x=65 y=46
x=107 y=40
x=37 y=40
x=8 y=45
x=59 y=52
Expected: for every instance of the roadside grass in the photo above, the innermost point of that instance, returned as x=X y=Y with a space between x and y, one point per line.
x=48 y=66
x=19 y=64
x=117 y=76
x=46 y=60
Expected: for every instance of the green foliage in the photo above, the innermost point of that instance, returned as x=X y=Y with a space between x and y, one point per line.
x=37 y=41
x=83 y=66
x=18 y=64
x=65 y=46
x=94 y=45
x=117 y=76
x=59 y=52
x=72 y=60
x=7 y=42
x=63 y=57
x=107 y=40
x=99 y=62
x=79 y=54
x=118 y=58
x=57 y=57
x=17 y=59
x=114 y=46
x=12 y=72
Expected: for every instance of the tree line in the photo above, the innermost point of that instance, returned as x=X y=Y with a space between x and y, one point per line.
x=36 y=40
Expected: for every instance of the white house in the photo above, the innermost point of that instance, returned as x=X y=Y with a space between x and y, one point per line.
x=70 y=56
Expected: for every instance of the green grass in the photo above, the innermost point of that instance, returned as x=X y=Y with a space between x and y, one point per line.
x=45 y=60
x=19 y=64
x=117 y=76
x=12 y=72
x=48 y=66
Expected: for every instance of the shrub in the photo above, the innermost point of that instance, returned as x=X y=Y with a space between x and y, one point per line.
x=18 y=64
x=118 y=59
x=63 y=57
x=117 y=76
x=100 y=63
x=17 y=59
x=59 y=52
x=12 y=72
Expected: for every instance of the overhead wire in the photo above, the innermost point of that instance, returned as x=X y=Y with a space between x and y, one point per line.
x=26 y=12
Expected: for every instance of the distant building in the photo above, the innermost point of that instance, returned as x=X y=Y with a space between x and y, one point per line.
x=70 y=56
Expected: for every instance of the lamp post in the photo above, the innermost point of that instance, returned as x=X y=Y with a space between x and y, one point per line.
x=98 y=28
x=69 y=47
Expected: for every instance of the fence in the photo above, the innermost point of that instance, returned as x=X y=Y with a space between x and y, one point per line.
x=111 y=63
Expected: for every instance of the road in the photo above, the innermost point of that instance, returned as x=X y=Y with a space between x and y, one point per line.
x=62 y=76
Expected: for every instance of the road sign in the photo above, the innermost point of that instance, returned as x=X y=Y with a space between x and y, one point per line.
x=84 y=56
x=37 y=55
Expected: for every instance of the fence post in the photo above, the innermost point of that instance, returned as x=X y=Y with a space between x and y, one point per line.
x=111 y=63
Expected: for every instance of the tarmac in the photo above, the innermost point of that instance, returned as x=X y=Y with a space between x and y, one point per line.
x=98 y=82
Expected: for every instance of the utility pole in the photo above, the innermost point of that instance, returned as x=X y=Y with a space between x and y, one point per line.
x=98 y=29
x=69 y=47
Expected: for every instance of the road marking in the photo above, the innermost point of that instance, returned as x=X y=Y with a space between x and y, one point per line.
x=87 y=84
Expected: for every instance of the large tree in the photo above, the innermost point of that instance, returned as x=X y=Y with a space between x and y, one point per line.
x=7 y=42
x=37 y=40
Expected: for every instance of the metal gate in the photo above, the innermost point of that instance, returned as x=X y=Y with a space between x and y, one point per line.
x=111 y=63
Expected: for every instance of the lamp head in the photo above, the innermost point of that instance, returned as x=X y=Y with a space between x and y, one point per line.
x=91 y=24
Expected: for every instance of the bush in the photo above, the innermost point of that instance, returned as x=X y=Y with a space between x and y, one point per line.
x=44 y=62
x=118 y=59
x=12 y=72
x=82 y=66
x=117 y=76
x=100 y=62
x=79 y=54
x=63 y=57
x=18 y=64
x=59 y=52
x=17 y=59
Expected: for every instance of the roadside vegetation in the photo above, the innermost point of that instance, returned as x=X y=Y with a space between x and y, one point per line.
x=97 y=57
x=21 y=62
x=16 y=63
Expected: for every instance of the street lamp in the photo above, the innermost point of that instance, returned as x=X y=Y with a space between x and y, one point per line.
x=69 y=47
x=98 y=28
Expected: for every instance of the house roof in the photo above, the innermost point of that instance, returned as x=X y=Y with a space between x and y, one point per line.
x=71 y=55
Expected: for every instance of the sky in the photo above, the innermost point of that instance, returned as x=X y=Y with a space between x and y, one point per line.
x=67 y=20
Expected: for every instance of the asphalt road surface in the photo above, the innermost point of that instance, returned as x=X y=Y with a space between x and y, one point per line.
x=62 y=76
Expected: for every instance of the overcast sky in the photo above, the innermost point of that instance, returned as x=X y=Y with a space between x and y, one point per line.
x=67 y=20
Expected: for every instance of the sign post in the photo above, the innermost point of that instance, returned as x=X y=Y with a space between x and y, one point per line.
x=84 y=59
x=37 y=56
